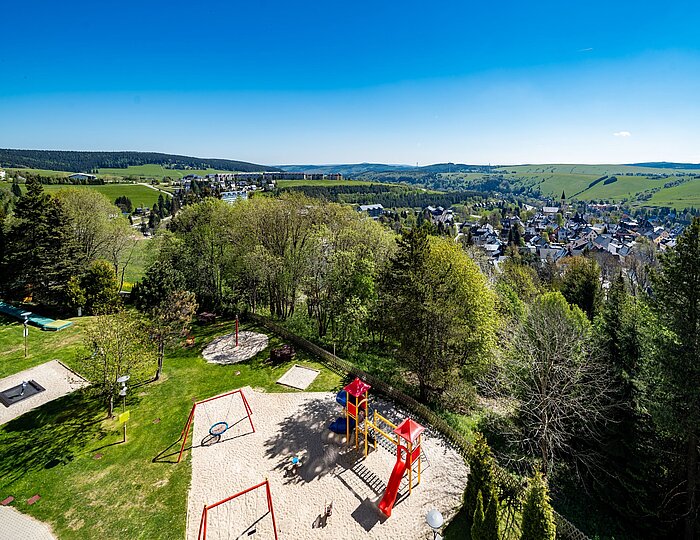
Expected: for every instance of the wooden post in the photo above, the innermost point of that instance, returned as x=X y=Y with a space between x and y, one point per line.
x=236 y=330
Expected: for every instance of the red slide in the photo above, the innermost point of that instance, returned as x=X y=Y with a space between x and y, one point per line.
x=392 y=488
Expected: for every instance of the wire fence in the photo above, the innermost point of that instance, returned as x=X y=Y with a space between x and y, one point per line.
x=511 y=489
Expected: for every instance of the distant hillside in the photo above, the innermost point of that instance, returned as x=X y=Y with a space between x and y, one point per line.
x=359 y=169
x=667 y=165
x=345 y=169
x=61 y=160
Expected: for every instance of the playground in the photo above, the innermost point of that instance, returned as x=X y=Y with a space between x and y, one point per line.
x=310 y=481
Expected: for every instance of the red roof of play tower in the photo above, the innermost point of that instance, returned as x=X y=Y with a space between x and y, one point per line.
x=409 y=430
x=357 y=387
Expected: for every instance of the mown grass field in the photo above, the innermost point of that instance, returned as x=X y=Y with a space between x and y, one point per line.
x=139 y=195
x=51 y=451
x=154 y=171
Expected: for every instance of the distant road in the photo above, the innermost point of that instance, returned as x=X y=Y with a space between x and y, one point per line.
x=155 y=188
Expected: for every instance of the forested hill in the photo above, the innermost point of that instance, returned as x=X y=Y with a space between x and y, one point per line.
x=62 y=160
x=667 y=165
x=359 y=169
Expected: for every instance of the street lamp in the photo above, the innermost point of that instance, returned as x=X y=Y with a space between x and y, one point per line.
x=122 y=393
x=25 y=330
x=435 y=520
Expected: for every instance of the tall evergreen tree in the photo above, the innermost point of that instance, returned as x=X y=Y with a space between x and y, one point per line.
x=538 y=517
x=580 y=284
x=480 y=475
x=677 y=305
x=41 y=253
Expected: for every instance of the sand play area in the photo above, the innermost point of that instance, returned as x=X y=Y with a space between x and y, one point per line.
x=223 y=350
x=296 y=424
x=56 y=378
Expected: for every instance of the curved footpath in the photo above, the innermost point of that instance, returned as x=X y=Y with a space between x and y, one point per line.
x=14 y=525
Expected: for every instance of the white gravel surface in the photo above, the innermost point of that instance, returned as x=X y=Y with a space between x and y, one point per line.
x=296 y=424
x=57 y=379
x=223 y=350
x=17 y=526
x=299 y=377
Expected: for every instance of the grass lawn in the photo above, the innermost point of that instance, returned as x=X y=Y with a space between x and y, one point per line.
x=140 y=260
x=51 y=450
x=139 y=195
x=42 y=346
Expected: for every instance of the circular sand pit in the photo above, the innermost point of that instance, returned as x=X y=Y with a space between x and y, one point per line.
x=223 y=350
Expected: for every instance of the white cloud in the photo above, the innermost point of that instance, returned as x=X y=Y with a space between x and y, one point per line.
x=622 y=134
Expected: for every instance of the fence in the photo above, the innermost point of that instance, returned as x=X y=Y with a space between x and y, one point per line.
x=509 y=486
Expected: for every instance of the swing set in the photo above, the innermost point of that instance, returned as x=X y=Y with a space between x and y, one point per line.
x=216 y=429
x=270 y=510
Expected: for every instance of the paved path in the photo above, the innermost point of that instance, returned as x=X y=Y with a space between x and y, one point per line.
x=53 y=376
x=15 y=526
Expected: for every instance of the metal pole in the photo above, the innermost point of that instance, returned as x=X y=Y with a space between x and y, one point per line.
x=236 y=330
x=25 y=331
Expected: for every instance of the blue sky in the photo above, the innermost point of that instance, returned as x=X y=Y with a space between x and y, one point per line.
x=393 y=82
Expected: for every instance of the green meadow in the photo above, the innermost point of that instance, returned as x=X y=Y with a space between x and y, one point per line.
x=139 y=195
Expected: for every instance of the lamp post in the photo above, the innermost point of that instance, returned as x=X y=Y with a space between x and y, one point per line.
x=435 y=520
x=25 y=330
x=123 y=379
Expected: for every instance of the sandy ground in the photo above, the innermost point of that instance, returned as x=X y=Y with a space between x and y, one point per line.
x=298 y=377
x=17 y=526
x=53 y=376
x=223 y=350
x=292 y=424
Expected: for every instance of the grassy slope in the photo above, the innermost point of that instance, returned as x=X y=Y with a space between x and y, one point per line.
x=682 y=196
x=50 y=451
x=154 y=171
x=140 y=260
x=139 y=195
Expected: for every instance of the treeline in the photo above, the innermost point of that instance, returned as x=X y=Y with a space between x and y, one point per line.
x=597 y=389
x=71 y=161
x=56 y=180
x=387 y=196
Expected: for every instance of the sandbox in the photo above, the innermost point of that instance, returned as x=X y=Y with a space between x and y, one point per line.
x=223 y=350
x=295 y=424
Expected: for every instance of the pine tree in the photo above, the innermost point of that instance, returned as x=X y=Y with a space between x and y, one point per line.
x=538 y=517
x=478 y=519
x=480 y=474
x=677 y=407
x=41 y=252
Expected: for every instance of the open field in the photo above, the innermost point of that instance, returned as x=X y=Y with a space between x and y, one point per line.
x=154 y=171
x=139 y=195
x=597 y=170
x=682 y=196
x=51 y=451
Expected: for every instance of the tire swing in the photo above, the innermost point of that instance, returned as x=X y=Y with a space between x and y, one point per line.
x=217 y=429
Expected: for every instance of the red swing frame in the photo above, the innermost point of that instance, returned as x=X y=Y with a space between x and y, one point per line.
x=188 y=425
x=202 y=535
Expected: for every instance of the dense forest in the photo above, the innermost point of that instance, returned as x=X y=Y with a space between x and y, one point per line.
x=61 y=160
x=387 y=196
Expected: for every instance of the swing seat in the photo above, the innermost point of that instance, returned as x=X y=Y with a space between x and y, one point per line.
x=219 y=428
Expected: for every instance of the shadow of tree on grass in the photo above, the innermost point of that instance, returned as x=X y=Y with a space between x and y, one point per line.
x=50 y=435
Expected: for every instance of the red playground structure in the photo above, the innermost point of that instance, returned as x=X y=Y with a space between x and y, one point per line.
x=217 y=428
x=202 y=535
x=354 y=399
